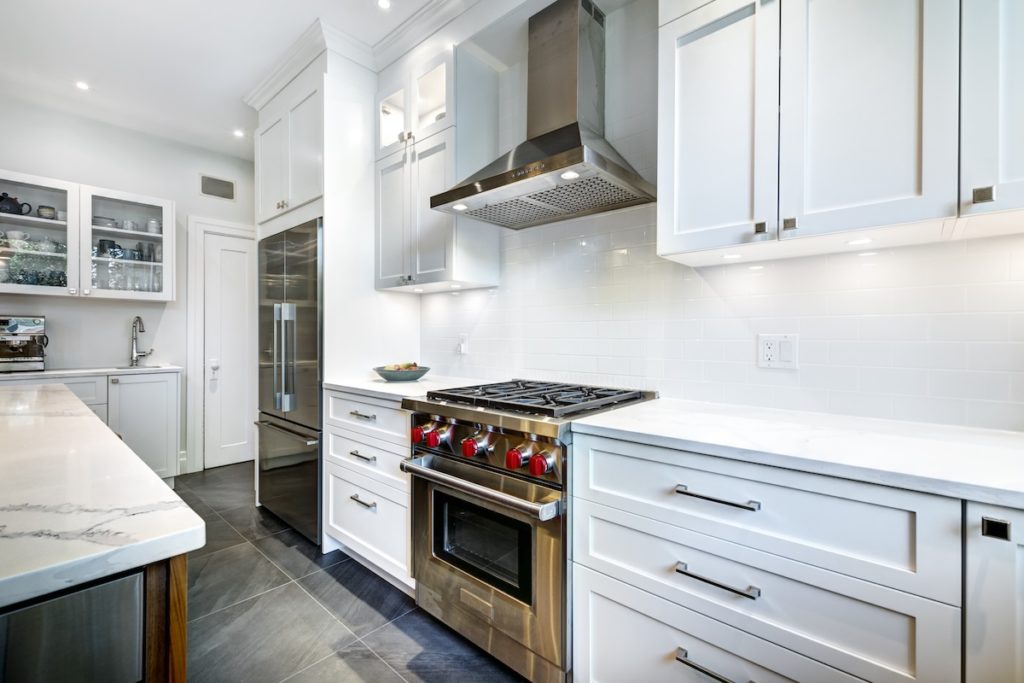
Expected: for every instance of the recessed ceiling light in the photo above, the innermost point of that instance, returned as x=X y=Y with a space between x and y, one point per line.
x=570 y=175
x=757 y=267
x=239 y=133
x=732 y=257
x=459 y=207
x=81 y=85
x=384 y=4
x=860 y=242
x=868 y=253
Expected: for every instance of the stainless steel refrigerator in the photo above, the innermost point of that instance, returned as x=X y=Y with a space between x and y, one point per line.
x=290 y=353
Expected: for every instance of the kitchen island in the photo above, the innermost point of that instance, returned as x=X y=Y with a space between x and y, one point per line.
x=80 y=511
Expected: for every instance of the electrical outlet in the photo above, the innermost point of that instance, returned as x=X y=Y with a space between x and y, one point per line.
x=463 y=347
x=779 y=351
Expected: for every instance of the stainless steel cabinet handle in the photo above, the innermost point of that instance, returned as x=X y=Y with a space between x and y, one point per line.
x=983 y=195
x=789 y=224
x=277 y=359
x=356 y=498
x=367 y=458
x=296 y=435
x=752 y=592
x=362 y=416
x=751 y=505
x=542 y=511
x=760 y=227
x=683 y=657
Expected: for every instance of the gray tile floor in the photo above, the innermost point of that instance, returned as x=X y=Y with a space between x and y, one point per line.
x=265 y=606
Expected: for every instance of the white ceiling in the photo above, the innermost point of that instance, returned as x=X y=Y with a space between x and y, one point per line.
x=173 y=68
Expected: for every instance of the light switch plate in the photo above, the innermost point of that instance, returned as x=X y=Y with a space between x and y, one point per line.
x=780 y=351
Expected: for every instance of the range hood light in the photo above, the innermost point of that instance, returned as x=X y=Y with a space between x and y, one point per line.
x=570 y=175
x=459 y=207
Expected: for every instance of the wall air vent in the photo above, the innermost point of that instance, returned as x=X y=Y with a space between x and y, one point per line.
x=215 y=187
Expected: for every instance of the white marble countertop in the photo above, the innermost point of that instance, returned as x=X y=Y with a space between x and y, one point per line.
x=88 y=372
x=975 y=464
x=375 y=387
x=76 y=503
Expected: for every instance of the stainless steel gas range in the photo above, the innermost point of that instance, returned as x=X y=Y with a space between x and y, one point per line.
x=489 y=501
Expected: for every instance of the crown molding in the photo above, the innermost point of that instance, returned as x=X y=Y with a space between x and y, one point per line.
x=417 y=28
x=310 y=45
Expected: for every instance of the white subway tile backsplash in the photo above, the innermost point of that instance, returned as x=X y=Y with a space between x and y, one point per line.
x=932 y=332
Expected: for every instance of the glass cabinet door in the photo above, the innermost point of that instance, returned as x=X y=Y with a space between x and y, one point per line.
x=127 y=246
x=38 y=231
x=392 y=121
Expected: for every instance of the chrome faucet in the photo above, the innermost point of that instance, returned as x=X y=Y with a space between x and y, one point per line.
x=137 y=326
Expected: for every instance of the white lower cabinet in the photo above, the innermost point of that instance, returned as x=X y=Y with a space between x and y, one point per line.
x=623 y=634
x=994 y=595
x=143 y=410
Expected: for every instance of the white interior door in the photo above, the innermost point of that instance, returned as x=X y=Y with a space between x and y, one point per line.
x=229 y=310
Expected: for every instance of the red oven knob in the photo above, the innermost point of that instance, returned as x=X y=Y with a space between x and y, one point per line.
x=470 y=447
x=438 y=436
x=542 y=463
x=417 y=435
x=518 y=457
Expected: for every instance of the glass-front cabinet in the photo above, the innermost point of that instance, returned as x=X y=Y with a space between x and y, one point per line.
x=64 y=239
x=38 y=235
x=127 y=245
x=416 y=103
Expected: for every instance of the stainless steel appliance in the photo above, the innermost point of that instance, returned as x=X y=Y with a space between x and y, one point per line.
x=489 y=530
x=23 y=343
x=290 y=376
x=566 y=168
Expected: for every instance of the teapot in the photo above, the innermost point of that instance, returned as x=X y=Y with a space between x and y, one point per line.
x=10 y=204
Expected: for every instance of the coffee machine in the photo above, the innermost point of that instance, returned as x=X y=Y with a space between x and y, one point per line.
x=23 y=343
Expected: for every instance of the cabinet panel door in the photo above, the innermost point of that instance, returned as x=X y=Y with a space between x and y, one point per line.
x=271 y=169
x=869 y=113
x=718 y=126
x=433 y=171
x=994 y=596
x=143 y=411
x=992 y=105
x=392 y=220
x=305 y=149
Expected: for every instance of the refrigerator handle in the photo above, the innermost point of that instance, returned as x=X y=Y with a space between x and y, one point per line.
x=277 y=359
x=288 y=358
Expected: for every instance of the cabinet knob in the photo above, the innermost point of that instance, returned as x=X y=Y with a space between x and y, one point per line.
x=86 y=292
x=72 y=290
x=789 y=224
x=983 y=195
x=114 y=380
x=760 y=227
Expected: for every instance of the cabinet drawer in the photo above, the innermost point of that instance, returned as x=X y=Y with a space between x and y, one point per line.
x=369 y=517
x=621 y=633
x=372 y=417
x=902 y=539
x=378 y=460
x=867 y=630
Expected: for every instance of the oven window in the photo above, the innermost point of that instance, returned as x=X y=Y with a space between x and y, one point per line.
x=488 y=545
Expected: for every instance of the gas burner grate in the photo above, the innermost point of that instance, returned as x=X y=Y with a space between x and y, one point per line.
x=551 y=399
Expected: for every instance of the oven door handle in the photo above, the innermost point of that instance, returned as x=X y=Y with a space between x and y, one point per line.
x=542 y=511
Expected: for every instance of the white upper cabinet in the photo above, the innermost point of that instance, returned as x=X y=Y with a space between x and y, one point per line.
x=718 y=126
x=290 y=146
x=392 y=212
x=416 y=103
x=868 y=113
x=992 y=106
x=433 y=171
x=994 y=595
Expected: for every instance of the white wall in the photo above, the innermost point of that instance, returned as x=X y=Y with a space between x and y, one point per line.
x=88 y=332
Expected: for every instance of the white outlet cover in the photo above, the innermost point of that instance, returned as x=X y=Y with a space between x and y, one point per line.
x=779 y=351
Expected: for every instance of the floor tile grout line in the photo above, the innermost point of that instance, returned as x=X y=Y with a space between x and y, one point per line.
x=306 y=668
x=370 y=633
x=239 y=602
x=377 y=655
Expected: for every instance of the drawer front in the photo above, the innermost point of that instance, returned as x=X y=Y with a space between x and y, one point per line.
x=369 y=517
x=902 y=539
x=867 y=630
x=378 y=460
x=371 y=417
x=91 y=390
x=621 y=633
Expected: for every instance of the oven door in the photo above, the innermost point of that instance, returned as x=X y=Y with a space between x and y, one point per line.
x=489 y=555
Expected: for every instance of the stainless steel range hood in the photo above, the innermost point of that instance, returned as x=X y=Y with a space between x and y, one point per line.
x=565 y=169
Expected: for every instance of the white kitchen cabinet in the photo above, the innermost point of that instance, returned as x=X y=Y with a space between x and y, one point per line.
x=718 y=126
x=417 y=248
x=144 y=411
x=127 y=245
x=868 y=120
x=416 y=103
x=992 y=107
x=290 y=146
x=994 y=595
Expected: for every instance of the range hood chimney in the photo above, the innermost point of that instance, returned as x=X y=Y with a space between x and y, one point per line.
x=565 y=169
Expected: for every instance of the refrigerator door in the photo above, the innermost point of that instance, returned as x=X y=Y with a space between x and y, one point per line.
x=271 y=296
x=300 y=325
x=289 y=473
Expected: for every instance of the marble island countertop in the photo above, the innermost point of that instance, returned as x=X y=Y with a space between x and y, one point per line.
x=962 y=462
x=87 y=372
x=76 y=504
